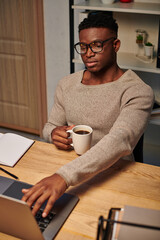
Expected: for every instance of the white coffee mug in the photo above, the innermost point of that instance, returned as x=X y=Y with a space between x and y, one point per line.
x=81 y=137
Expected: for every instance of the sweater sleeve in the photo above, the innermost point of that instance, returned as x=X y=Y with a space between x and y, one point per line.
x=57 y=116
x=119 y=142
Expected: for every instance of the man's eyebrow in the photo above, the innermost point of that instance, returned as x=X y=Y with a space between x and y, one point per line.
x=96 y=40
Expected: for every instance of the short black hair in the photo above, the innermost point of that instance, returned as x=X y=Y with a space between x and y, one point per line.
x=98 y=20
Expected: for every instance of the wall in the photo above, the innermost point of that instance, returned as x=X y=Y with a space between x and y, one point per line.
x=56 y=25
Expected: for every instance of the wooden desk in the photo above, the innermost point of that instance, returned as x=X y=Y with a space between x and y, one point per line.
x=124 y=183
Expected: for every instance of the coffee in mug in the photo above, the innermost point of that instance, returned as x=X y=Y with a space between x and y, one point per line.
x=82 y=132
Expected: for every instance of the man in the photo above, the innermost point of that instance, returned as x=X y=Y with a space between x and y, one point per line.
x=116 y=104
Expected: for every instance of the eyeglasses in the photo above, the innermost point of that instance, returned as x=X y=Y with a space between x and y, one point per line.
x=96 y=46
x=105 y=226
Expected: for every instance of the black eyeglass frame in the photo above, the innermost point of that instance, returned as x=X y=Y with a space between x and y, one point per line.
x=89 y=45
x=105 y=226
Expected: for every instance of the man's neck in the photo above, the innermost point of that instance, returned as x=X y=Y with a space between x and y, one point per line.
x=96 y=78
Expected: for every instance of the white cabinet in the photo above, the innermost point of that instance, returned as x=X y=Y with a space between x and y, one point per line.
x=129 y=16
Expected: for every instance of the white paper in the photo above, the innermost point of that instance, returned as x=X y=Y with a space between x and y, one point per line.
x=12 y=148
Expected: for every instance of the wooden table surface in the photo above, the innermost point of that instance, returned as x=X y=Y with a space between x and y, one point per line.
x=125 y=183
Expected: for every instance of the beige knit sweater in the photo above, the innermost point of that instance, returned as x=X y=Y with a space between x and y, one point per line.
x=117 y=111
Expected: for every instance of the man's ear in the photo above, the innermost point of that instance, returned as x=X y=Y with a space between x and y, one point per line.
x=116 y=45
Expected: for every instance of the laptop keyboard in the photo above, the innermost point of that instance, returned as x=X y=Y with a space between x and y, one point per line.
x=43 y=222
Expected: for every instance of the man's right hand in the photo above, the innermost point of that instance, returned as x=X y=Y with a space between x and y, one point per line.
x=60 y=138
x=49 y=188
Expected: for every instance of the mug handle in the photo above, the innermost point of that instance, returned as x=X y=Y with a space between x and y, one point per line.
x=70 y=131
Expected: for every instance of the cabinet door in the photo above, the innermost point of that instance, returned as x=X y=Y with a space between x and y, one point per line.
x=20 y=104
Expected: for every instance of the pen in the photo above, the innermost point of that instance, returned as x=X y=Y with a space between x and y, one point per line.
x=11 y=174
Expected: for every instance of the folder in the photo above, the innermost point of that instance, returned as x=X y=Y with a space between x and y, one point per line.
x=130 y=223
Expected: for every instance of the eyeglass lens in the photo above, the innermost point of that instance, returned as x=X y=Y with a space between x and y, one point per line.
x=94 y=46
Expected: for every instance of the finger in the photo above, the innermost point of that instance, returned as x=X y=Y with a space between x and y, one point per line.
x=70 y=127
x=26 y=194
x=61 y=131
x=49 y=206
x=31 y=196
x=62 y=146
x=36 y=197
x=62 y=134
x=39 y=202
x=24 y=190
x=61 y=139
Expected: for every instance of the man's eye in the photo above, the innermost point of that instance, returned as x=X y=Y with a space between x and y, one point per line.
x=96 y=44
x=82 y=46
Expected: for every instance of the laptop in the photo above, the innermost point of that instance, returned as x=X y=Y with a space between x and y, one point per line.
x=16 y=218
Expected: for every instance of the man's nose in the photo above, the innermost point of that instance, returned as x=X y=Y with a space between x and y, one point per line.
x=89 y=52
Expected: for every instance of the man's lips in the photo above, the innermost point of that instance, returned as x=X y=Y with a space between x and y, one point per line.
x=91 y=63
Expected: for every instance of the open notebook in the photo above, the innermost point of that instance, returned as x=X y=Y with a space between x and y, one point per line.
x=12 y=148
